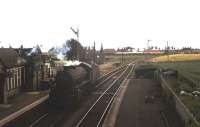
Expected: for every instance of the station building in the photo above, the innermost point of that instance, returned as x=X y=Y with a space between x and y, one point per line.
x=12 y=73
x=22 y=70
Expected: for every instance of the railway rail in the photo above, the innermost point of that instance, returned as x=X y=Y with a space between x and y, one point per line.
x=99 y=84
x=105 y=77
x=97 y=112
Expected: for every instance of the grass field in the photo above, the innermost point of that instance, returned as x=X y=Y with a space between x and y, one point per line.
x=128 y=58
x=113 y=60
x=107 y=67
x=177 y=57
x=188 y=66
x=190 y=69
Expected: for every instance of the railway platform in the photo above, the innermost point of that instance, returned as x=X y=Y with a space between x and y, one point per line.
x=138 y=104
x=20 y=104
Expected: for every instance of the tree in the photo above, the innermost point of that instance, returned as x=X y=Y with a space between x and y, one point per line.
x=76 y=51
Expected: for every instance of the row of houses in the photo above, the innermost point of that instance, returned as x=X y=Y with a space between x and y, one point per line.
x=22 y=70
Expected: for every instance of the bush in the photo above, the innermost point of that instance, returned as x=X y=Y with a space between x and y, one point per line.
x=184 y=86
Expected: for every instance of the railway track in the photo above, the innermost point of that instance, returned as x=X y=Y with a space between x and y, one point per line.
x=107 y=77
x=95 y=115
x=47 y=118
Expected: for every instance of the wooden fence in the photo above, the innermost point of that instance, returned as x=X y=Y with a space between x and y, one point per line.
x=187 y=117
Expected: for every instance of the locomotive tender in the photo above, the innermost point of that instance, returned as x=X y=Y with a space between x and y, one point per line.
x=73 y=82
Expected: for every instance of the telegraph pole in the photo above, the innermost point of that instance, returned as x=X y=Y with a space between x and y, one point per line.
x=122 y=55
x=148 y=44
x=94 y=53
x=167 y=51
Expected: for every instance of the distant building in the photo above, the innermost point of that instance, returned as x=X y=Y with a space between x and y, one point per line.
x=153 y=51
x=109 y=51
x=126 y=49
x=128 y=53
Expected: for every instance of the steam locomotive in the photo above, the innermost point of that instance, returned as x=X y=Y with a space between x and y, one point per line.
x=73 y=83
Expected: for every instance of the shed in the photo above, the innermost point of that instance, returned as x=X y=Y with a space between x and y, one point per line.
x=109 y=51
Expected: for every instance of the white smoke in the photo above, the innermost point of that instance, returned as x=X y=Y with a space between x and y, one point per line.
x=60 y=56
x=34 y=50
x=72 y=63
x=60 y=51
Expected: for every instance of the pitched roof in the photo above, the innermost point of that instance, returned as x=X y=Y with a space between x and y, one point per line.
x=109 y=51
x=9 y=57
x=23 y=52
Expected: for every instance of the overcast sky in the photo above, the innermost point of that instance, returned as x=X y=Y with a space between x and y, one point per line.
x=115 y=23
